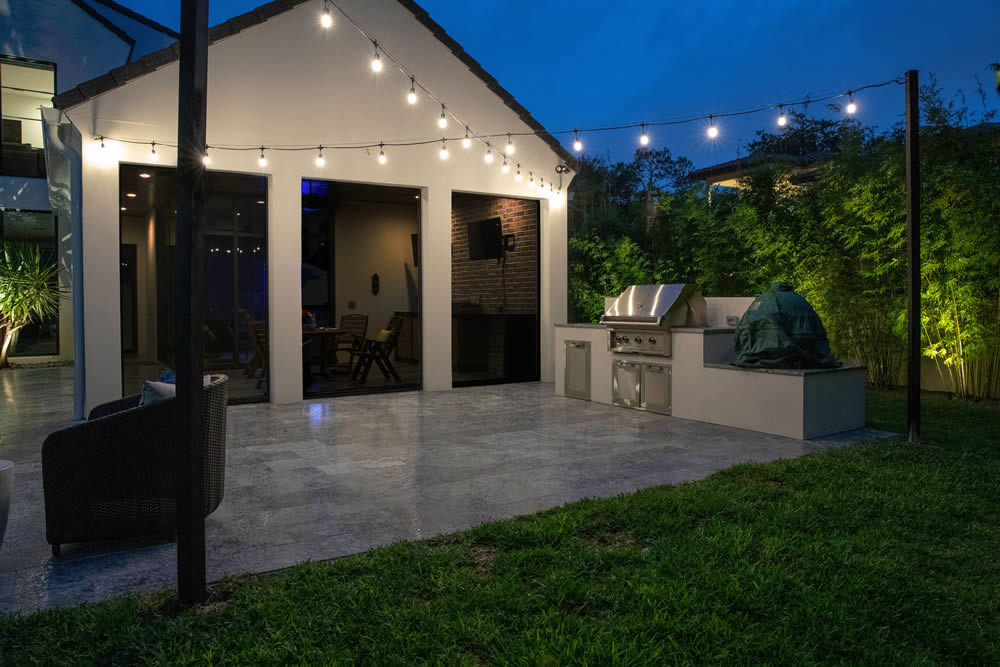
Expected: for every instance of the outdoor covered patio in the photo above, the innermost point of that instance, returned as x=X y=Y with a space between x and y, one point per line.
x=322 y=479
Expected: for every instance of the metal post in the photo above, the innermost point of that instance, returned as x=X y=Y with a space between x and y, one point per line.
x=913 y=256
x=189 y=314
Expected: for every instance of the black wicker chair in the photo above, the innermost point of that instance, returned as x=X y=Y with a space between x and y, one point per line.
x=113 y=476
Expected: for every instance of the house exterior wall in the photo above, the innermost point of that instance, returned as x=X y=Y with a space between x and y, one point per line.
x=289 y=82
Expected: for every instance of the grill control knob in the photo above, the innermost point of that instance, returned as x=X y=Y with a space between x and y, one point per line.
x=652 y=339
x=638 y=339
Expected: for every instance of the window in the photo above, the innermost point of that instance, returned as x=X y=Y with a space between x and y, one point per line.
x=36 y=228
x=25 y=86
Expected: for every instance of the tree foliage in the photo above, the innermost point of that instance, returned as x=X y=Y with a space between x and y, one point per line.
x=29 y=291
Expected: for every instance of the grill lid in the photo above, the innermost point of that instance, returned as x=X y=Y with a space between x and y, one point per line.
x=657 y=306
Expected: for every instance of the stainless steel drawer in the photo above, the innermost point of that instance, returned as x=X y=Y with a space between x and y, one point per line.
x=577 y=374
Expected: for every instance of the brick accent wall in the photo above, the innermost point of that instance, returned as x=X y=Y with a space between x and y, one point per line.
x=482 y=278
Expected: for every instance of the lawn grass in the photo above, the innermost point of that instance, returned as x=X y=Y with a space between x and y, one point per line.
x=878 y=553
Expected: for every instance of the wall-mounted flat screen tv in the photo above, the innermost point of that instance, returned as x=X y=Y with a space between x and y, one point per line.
x=485 y=239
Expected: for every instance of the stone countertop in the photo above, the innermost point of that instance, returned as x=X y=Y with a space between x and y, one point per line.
x=702 y=330
x=580 y=325
x=784 y=371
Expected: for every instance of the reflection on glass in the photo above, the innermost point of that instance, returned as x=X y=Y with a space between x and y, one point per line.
x=35 y=228
x=24 y=87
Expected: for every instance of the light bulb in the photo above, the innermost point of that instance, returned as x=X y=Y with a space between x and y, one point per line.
x=443 y=120
x=153 y=157
x=262 y=161
x=381 y=154
x=577 y=144
x=644 y=138
x=517 y=176
x=412 y=97
x=444 y=150
x=505 y=168
x=712 y=130
x=510 y=146
x=102 y=142
x=782 y=120
x=467 y=141
x=326 y=20
x=376 y=60
x=531 y=180
x=320 y=160
x=489 y=156
x=206 y=159
x=851 y=107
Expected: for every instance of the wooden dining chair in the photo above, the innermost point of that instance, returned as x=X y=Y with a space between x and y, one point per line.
x=379 y=351
x=355 y=327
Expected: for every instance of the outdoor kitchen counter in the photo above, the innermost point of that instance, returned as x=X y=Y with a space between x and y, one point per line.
x=706 y=387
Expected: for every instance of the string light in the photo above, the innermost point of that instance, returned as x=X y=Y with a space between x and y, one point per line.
x=444 y=149
x=467 y=141
x=320 y=160
x=326 y=20
x=531 y=180
x=782 y=119
x=262 y=161
x=851 y=106
x=381 y=154
x=489 y=154
x=412 y=97
x=443 y=120
x=712 y=130
x=153 y=157
x=517 y=176
x=510 y=146
x=644 y=138
x=506 y=167
x=376 y=59
x=206 y=159
x=102 y=142
x=577 y=144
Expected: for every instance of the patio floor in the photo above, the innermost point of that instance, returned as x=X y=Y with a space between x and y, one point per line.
x=326 y=478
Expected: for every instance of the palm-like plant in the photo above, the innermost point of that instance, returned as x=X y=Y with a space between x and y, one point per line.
x=29 y=292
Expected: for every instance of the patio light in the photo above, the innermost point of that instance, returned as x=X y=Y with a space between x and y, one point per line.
x=262 y=161
x=467 y=141
x=531 y=180
x=376 y=59
x=444 y=149
x=153 y=157
x=443 y=120
x=577 y=144
x=510 y=146
x=506 y=167
x=851 y=106
x=320 y=160
x=381 y=154
x=644 y=138
x=517 y=176
x=412 y=97
x=712 y=130
x=326 y=20
x=206 y=159
x=489 y=155
x=782 y=119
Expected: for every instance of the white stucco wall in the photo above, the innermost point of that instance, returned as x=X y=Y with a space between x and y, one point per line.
x=289 y=82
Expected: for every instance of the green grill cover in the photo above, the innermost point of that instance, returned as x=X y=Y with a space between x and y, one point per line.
x=781 y=330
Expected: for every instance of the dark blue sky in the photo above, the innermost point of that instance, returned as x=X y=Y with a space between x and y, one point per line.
x=592 y=63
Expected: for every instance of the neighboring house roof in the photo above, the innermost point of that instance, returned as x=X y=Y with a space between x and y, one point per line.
x=733 y=169
x=157 y=59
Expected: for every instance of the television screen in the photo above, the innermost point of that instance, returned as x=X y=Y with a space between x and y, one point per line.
x=485 y=239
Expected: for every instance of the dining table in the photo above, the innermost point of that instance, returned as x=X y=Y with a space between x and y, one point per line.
x=322 y=336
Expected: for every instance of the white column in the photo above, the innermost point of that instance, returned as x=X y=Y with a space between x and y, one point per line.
x=101 y=282
x=435 y=277
x=284 y=284
x=554 y=281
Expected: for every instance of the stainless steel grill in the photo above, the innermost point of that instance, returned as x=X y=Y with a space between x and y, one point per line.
x=640 y=319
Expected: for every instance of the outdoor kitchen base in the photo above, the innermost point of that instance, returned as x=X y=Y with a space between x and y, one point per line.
x=704 y=386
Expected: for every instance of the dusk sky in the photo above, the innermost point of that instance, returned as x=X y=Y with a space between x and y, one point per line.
x=578 y=64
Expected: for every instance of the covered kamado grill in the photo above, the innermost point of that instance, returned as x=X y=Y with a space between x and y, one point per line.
x=639 y=320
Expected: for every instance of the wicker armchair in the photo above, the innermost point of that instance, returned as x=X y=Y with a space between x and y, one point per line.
x=113 y=476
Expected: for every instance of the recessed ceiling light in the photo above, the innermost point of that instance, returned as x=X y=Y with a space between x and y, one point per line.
x=130 y=194
x=145 y=175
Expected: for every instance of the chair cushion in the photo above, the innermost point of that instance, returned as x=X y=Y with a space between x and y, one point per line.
x=168 y=376
x=155 y=392
x=384 y=336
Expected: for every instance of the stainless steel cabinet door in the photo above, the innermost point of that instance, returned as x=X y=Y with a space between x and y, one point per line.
x=577 y=375
x=656 y=388
x=625 y=379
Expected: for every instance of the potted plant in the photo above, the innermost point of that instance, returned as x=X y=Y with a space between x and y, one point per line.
x=29 y=292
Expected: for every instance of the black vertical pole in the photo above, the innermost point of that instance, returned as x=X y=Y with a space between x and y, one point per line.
x=192 y=89
x=913 y=256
